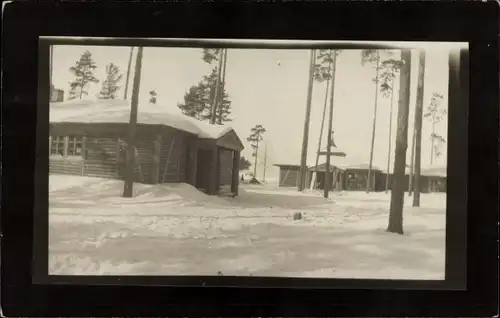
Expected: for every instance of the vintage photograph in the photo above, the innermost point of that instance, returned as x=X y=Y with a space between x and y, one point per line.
x=270 y=162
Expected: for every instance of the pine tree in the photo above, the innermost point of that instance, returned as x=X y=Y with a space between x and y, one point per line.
x=256 y=136
x=109 y=87
x=244 y=163
x=198 y=101
x=153 y=96
x=435 y=114
x=84 y=73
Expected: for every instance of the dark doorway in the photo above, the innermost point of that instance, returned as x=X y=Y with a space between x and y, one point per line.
x=203 y=169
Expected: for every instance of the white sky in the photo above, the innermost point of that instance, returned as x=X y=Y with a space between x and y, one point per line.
x=275 y=96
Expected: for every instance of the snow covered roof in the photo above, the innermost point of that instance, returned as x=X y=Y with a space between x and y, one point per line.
x=434 y=172
x=118 y=111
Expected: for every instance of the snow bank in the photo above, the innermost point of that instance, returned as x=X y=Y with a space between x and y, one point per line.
x=118 y=111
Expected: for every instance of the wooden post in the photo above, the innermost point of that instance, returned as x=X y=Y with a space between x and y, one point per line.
x=305 y=134
x=50 y=145
x=129 y=179
x=65 y=152
x=155 y=174
x=235 y=173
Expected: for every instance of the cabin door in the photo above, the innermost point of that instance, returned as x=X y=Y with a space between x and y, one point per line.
x=203 y=169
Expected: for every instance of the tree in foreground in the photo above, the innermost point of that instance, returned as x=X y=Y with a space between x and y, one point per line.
x=398 y=190
x=435 y=113
x=210 y=55
x=373 y=57
x=110 y=86
x=418 y=130
x=130 y=152
x=256 y=136
x=322 y=73
x=128 y=72
x=84 y=75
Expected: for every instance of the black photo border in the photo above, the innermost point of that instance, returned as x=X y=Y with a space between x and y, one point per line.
x=28 y=291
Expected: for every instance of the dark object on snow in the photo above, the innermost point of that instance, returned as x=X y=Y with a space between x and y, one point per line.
x=254 y=181
x=297 y=216
x=242 y=178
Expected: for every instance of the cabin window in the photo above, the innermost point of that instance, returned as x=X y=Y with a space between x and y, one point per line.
x=75 y=146
x=72 y=148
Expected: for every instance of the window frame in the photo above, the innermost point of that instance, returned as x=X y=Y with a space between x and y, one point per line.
x=67 y=146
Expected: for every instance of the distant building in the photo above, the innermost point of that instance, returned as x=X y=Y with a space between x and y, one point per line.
x=56 y=95
x=353 y=177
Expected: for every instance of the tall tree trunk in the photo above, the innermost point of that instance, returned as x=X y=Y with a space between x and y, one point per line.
x=390 y=140
x=368 y=181
x=307 y=119
x=397 y=193
x=217 y=88
x=255 y=161
x=222 y=89
x=418 y=128
x=129 y=177
x=326 y=190
x=128 y=72
x=81 y=87
x=412 y=162
x=322 y=124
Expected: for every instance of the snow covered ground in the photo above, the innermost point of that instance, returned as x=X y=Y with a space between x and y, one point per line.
x=173 y=229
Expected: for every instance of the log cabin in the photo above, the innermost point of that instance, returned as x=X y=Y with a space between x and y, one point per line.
x=89 y=138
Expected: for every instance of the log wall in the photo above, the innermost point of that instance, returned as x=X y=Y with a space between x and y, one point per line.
x=61 y=165
x=174 y=156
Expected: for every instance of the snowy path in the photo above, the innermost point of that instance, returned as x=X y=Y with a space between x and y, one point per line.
x=176 y=230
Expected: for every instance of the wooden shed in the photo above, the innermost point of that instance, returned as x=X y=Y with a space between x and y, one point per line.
x=90 y=139
x=337 y=176
x=289 y=175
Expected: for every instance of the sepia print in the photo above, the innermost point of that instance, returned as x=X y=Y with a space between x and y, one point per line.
x=248 y=162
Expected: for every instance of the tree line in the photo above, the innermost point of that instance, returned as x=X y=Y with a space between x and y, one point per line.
x=207 y=100
x=388 y=65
